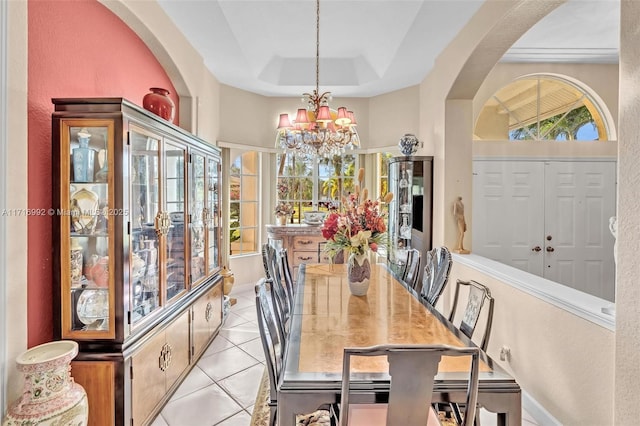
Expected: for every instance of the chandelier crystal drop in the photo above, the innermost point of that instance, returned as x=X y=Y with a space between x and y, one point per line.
x=317 y=129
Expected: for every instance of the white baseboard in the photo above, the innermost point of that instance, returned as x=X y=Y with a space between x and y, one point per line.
x=537 y=411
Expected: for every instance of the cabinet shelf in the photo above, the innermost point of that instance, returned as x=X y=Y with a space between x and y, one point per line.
x=94 y=235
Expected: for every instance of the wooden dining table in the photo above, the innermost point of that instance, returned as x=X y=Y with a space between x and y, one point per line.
x=326 y=318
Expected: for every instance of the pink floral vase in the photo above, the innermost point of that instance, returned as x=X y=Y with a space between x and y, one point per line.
x=50 y=396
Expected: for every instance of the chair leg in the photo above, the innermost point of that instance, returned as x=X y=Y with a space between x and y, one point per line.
x=272 y=415
x=457 y=415
x=334 y=414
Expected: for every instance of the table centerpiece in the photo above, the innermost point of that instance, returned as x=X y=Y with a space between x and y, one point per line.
x=358 y=229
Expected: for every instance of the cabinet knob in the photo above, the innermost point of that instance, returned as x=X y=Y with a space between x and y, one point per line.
x=550 y=249
x=305 y=257
x=536 y=248
x=305 y=242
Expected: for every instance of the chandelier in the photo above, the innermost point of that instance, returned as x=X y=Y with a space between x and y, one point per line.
x=317 y=129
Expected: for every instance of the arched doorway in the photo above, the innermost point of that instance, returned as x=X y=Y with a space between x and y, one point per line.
x=543 y=200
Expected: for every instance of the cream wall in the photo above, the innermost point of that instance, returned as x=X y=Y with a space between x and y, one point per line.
x=15 y=311
x=627 y=343
x=391 y=116
x=553 y=355
x=531 y=149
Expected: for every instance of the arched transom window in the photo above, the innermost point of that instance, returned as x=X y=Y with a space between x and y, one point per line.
x=541 y=108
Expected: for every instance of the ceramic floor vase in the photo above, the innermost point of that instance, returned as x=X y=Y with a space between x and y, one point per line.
x=50 y=396
x=358 y=273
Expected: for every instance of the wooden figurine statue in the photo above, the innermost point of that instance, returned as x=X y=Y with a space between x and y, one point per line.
x=458 y=214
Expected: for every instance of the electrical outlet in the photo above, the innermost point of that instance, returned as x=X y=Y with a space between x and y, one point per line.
x=505 y=353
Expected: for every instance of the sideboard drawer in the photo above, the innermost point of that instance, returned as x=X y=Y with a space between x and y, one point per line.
x=307 y=242
x=300 y=257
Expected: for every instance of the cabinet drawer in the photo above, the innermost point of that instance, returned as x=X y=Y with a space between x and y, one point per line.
x=307 y=242
x=300 y=257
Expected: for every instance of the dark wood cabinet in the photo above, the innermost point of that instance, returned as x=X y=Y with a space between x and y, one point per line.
x=136 y=219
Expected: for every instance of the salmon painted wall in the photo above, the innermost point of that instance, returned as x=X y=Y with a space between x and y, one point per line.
x=76 y=49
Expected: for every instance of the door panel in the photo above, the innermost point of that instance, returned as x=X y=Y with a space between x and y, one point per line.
x=581 y=199
x=508 y=214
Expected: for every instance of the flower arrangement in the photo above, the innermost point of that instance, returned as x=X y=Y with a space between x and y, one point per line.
x=360 y=226
x=283 y=209
x=283 y=189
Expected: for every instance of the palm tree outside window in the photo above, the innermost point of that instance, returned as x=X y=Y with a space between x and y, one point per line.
x=309 y=183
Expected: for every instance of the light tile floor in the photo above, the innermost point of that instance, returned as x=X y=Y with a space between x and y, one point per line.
x=221 y=388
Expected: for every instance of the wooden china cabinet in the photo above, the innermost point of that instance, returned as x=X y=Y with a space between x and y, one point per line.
x=137 y=231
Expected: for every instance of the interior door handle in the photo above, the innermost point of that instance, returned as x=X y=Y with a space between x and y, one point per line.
x=536 y=248
x=550 y=249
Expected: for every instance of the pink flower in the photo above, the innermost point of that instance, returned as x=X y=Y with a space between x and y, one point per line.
x=361 y=218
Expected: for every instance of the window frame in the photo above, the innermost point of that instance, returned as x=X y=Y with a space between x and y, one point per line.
x=314 y=164
x=243 y=201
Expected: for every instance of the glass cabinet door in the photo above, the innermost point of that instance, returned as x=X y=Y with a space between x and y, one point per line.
x=86 y=210
x=144 y=211
x=400 y=212
x=174 y=206
x=213 y=222
x=197 y=216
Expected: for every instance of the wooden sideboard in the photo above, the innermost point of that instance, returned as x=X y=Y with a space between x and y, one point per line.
x=303 y=243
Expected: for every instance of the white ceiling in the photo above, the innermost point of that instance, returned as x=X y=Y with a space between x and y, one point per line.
x=368 y=47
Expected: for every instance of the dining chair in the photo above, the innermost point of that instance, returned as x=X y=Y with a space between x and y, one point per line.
x=274 y=346
x=478 y=294
x=436 y=274
x=273 y=342
x=412 y=270
x=412 y=369
x=282 y=302
x=287 y=274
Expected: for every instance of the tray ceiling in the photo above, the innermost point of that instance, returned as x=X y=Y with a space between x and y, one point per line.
x=368 y=47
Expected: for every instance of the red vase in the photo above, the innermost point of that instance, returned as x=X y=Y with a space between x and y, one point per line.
x=159 y=103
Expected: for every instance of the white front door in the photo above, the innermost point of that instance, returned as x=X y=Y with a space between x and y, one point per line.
x=548 y=218
x=580 y=199
x=508 y=213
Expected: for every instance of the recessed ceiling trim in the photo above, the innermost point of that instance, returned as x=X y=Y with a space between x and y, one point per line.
x=561 y=54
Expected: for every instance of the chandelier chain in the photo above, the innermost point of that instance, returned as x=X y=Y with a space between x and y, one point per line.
x=317 y=46
x=318 y=130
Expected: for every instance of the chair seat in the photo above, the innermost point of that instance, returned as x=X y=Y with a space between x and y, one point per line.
x=376 y=415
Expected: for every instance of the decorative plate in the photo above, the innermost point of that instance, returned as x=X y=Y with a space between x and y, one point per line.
x=93 y=305
x=83 y=209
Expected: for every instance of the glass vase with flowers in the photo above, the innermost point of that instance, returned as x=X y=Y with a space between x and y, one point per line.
x=358 y=229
